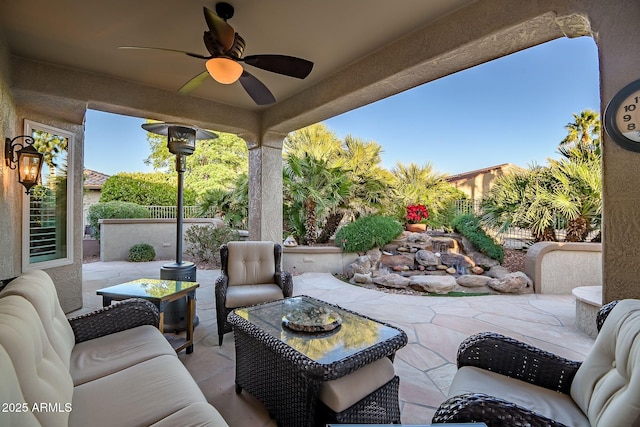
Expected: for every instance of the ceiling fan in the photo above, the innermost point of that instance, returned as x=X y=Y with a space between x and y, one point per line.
x=225 y=48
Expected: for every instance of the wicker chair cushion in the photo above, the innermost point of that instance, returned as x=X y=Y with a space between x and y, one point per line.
x=143 y=394
x=251 y=263
x=111 y=353
x=551 y=404
x=11 y=394
x=43 y=377
x=246 y=295
x=38 y=288
x=607 y=385
x=344 y=392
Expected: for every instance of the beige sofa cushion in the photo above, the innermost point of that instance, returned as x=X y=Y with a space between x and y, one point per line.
x=43 y=377
x=246 y=295
x=250 y=263
x=551 y=404
x=15 y=410
x=38 y=288
x=111 y=353
x=344 y=392
x=607 y=385
x=141 y=395
x=198 y=414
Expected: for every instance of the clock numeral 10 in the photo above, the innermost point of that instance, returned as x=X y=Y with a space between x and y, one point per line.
x=630 y=107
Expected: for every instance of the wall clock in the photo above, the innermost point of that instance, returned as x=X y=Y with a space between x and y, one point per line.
x=622 y=117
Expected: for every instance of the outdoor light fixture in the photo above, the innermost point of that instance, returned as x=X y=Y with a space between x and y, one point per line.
x=24 y=157
x=224 y=70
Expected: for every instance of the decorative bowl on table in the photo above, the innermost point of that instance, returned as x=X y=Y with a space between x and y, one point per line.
x=313 y=319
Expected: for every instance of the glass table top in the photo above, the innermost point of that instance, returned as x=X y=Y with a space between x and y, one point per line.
x=356 y=333
x=149 y=288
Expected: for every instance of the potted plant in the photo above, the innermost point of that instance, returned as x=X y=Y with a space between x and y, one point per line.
x=416 y=215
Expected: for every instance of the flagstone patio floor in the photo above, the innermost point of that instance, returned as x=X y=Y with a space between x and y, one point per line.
x=435 y=327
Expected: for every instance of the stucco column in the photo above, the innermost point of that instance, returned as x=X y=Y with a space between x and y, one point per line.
x=265 y=187
x=618 y=38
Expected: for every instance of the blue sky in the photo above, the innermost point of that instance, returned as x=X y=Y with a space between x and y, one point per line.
x=510 y=110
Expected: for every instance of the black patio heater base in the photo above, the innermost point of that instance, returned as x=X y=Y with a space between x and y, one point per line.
x=176 y=311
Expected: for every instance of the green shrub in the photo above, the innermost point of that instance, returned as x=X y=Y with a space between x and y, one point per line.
x=112 y=210
x=203 y=242
x=143 y=190
x=367 y=233
x=141 y=252
x=469 y=226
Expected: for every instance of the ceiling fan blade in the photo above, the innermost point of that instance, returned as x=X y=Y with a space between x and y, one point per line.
x=281 y=64
x=194 y=83
x=256 y=89
x=194 y=55
x=223 y=32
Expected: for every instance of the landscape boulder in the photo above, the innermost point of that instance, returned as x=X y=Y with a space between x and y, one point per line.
x=516 y=282
x=433 y=284
x=392 y=281
x=427 y=258
x=474 y=281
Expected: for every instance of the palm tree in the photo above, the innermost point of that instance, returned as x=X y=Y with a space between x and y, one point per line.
x=315 y=140
x=577 y=197
x=522 y=199
x=583 y=138
x=422 y=184
x=232 y=205
x=311 y=188
x=371 y=184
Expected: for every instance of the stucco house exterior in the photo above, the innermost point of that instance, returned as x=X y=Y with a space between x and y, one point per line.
x=93 y=182
x=477 y=183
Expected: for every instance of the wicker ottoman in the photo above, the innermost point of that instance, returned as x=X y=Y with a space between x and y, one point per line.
x=367 y=396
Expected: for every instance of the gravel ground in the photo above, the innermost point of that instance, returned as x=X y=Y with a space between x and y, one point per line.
x=514 y=260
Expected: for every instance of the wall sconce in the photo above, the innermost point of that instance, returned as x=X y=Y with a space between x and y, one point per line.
x=25 y=158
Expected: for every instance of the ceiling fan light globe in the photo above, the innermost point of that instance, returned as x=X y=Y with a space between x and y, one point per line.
x=224 y=70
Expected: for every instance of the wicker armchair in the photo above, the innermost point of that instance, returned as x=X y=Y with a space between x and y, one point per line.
x=251 y=274
x=504 y=382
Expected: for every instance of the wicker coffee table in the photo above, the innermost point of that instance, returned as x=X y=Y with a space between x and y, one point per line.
x=284 y=368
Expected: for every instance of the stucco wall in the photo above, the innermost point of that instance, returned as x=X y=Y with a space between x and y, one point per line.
x=68 y=279
x=316 y=259
x=117 y=236
x=10 y=195
x=557 y=268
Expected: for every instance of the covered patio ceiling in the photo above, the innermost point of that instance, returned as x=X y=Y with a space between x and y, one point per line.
x=65 y=54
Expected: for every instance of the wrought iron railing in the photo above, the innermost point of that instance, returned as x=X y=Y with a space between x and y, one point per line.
x=167 y=212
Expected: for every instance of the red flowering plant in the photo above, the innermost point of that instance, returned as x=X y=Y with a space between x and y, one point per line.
x=416 y=213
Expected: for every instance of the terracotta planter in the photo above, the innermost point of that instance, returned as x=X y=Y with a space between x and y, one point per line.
x=416 y=228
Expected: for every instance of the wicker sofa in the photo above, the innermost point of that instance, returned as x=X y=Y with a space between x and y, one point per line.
x=503 y=382
x=111 y=367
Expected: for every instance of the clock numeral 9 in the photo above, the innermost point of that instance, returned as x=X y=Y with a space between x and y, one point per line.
x=626 y=117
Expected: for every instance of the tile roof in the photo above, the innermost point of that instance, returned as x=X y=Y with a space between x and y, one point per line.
x=471 y=174
x=94 y=180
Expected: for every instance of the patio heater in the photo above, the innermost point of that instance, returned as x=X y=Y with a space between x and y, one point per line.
x=181 y=141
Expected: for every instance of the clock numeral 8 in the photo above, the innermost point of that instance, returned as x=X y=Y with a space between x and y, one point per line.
x=631 y=126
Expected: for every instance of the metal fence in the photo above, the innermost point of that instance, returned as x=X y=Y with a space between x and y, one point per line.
x=167 y=212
